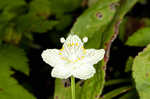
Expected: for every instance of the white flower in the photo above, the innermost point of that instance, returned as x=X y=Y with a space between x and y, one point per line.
x=73 y=59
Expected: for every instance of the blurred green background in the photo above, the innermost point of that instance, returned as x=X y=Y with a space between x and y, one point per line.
x=121 y=27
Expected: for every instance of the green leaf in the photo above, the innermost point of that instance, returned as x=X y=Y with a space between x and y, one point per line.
x=32 y=23
x=115 y=81
x=91 y=23
x=91 y=2
x=64 y=92
x=40 y=7
x=140 y=38
x=12 y=57
x=131 y=25
x=8 y=4
x=129 y=63
x=141 y=73
x=122 y=29
x=63 y=21
x=100 y=24
x=143 y=1
x=116 y=92
x=60 y=87
x=94 y=21
x=9 y=8
x=132 y=94
x=61 y=6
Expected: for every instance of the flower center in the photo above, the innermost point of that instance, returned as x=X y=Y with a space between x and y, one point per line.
x=72 y=53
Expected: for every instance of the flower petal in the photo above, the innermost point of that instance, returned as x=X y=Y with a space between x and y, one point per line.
x=93 y=56
x=52 y=57
x=61 y=72
x=84 y=71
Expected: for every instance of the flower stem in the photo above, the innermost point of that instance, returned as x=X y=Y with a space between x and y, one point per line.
x=73 y=87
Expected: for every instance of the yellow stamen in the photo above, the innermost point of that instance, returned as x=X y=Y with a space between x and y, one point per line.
x=60 y=53
x=77 y=44
x=62 y=49
x=72 y=44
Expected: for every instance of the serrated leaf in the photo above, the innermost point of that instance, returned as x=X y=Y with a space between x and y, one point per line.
x=32 y=23
x=12 y=57
x=141 y=73
x=9 y=9
x=140 y=38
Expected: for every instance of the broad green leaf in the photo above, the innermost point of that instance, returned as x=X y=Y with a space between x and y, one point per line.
x=100 y=24
x=12 y=57
x=140 y=38
x=92 y=23
x=91 y=2
x=141 y=73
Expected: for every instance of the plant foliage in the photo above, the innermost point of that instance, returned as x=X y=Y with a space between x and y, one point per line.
x=12 y=58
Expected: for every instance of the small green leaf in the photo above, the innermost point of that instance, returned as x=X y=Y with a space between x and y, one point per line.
x=141 y=73
x=140 y=38
x=122 y=29
x=129 y=63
